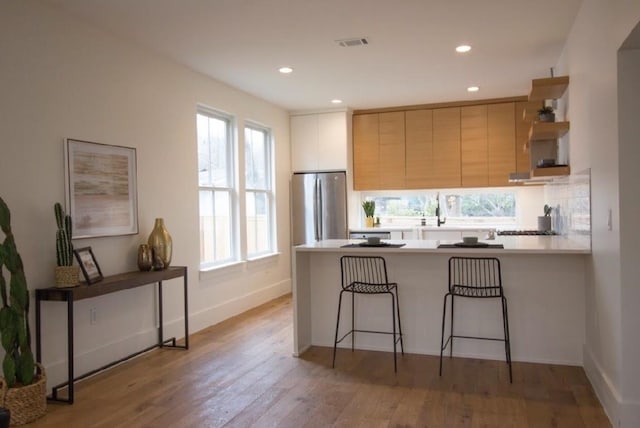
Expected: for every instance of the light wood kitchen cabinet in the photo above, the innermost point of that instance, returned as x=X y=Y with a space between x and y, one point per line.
x=418 y=149
x=391 y=138
x=366 y=153
x=319 y=141
x=446 y=147
x=474 y=151
x=474 y=145
x=502 y=142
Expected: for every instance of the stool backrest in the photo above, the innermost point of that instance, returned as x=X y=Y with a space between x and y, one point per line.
x=363 y=269
x=475 y=276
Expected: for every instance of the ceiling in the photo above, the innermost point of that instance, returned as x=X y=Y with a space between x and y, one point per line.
x=410 y=58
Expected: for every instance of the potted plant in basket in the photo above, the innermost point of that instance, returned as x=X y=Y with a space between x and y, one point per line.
x=369 y=208
x=546 y=114
x=66 y=274
x=23 y=391
x=544 y=222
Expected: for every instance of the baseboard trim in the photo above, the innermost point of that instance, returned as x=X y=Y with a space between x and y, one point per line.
x=605 y=389
x=232 y=307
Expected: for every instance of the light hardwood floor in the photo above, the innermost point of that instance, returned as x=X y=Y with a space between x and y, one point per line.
x=240 y=373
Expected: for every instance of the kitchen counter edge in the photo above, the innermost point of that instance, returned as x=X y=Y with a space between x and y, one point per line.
x=512 y=245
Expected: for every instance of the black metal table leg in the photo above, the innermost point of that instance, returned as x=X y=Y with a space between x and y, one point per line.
x=38 y=329
x=70 y=343
x=160 y=318
x=186 y=313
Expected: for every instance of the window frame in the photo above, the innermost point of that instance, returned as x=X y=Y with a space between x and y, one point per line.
x=268 y=190
x=231 y=189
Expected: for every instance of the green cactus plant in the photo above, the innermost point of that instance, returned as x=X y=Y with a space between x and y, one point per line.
x=64 y=246
x=18 y=365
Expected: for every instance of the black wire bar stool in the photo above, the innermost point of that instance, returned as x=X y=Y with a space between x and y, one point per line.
x=367 y=275
x=477 y=278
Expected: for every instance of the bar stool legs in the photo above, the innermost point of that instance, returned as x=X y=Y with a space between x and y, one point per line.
x=480 y=278
x=367 y=275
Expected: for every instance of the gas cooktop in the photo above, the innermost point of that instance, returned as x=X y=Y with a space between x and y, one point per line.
x=526 y=232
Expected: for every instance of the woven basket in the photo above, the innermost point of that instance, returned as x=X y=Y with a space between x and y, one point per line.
x=26 y=403
x=67 y=276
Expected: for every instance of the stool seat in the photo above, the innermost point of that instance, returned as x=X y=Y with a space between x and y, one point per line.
x=367 y=275
x=367 y=288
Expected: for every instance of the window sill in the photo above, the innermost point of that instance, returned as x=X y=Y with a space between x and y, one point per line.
x=237 y=266
x=222 y=270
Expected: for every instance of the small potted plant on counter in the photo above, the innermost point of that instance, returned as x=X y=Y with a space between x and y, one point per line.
x=546 y=114
x=544 y=221
x=369 y=208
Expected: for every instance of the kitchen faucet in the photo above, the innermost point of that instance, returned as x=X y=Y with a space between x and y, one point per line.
x=443 y=221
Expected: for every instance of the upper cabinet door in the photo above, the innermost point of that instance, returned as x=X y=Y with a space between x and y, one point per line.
x=392 y=150
x=446 y=147
x=502 y=143
x=474 y=161
x=418 y=148
x=332 y=141
x=319 y=141
x=366 y=153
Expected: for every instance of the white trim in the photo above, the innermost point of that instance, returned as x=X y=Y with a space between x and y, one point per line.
x=603 y=387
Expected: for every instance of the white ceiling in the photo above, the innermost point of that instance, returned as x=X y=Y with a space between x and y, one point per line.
x=410 y=58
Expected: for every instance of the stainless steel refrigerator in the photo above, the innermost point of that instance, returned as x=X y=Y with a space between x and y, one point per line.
x=318 y=206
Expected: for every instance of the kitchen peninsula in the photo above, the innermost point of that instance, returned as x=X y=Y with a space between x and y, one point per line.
x=544 y=280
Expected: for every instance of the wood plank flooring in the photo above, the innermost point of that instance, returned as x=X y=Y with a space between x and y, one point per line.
x=240 y=373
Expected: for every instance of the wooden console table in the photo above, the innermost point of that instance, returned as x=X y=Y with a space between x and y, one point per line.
x=110 y=284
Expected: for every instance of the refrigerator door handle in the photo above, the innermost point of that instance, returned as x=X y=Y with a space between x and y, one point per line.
x=319 y=212
x=316 y=187
x=317 y=217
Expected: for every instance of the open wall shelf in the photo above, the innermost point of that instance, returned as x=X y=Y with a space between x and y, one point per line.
x=549 y=88
x=547 y=130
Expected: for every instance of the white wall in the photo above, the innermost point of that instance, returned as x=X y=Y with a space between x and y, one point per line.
x=590 y=59
x=61 y=78
x=628 y=113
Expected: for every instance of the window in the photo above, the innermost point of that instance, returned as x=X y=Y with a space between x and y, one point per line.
x=460 y=206
x=217 y=188
x=259 y=191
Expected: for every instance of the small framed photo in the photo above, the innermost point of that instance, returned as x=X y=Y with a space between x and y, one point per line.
x=88 y=264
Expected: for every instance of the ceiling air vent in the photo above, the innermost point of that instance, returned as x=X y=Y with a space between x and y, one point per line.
x=349 y=43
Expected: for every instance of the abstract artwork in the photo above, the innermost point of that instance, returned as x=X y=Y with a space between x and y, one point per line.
x=101 y=189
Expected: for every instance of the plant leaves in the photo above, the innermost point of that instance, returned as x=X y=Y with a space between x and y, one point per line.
x=9 y=370
x=9 y=334
x=5 y=217
x=25 y=368
x=18 y=291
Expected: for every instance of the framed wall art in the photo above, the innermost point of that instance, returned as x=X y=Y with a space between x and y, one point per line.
x=88 y=264
x=101 y=189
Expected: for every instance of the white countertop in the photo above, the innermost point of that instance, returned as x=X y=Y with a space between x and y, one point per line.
x=418 y=227
x=512 y=245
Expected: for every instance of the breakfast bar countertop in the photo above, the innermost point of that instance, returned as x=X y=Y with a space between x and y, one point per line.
x=512 y=245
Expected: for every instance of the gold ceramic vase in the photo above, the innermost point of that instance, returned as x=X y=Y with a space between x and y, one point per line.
x=161 y=245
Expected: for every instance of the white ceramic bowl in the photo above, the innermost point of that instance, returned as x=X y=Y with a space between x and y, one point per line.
x=470 y=239
x=373 y=240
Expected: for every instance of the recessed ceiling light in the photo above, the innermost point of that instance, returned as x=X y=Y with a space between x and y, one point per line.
x=463 y=48
x=473 y=89
x=336 y=101
x=285 y=70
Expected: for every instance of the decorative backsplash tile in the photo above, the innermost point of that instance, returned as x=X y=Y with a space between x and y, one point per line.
x=571 y=202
